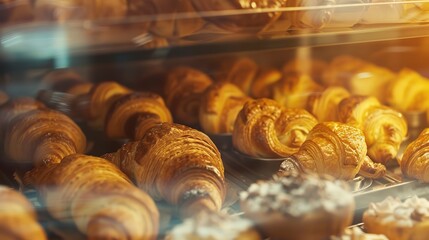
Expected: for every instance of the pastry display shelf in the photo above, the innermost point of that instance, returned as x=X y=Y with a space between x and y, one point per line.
x=37 y=45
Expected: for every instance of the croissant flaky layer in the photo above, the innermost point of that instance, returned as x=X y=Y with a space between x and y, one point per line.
x=220 y=106
x=324 y=105
x=99 y=198
x=415 y=161
x=263 y=128
x=336 y=149
x=384 y=127
x=18 y=218
x=183 y=91
x=42 y=136
x=175 y=163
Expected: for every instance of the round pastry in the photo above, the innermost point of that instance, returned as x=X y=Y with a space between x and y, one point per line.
x=214 y=226
x=242 y=22
x=408 y=220
x=299 y=207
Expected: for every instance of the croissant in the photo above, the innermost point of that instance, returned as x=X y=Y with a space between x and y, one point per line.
x=133 y=114
x=324 y=105
x=183 y=91
x=175 y=163
x=263 y=128
x=334 y=149
x=263 y=83
x=408 y=92
x=240 y=72
x=97 y=196
x=43 y=137
x=414 y=162
x=293 y=90
x=306 y=66
x=18 y=218
x=219 y=107
x=358 y=76
x=384 y=128
x=66 y=80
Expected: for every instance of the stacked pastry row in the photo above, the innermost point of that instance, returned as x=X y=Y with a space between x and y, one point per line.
x=168 y=162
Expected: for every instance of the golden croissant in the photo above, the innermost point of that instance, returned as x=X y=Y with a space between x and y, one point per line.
x=415 y=161
x=358 y=76
x=220 y=106
x=42 y=136
x=98 y=197
x=293 y=90
x=306 y=66
x=265 y=80
x=183 y=91
x=324 y=105
x=18 y=218
x=384 y=127
x=335 y=149
x=175 y=163
x=264 y=128
x=240 y=72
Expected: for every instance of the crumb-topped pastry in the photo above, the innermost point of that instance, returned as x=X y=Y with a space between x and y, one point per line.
x=407 y=220
x=214 y=226
x=299 y=206
x=357 y=234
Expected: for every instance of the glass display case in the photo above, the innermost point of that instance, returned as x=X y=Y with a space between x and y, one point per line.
x=270 y=90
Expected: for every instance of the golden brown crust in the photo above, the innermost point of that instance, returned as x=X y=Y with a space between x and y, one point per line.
x=175 y=163
x=324 y=106
x=263 y=128
x=294 y=90
x=243 y=22
x=240 y=72
x=306 y=66
x=384 y=128
x=263 y=83
x=133 y=114
x=99 y=198
x=334 y=149
x=18 y=218
x=415 y=161
x=220 y=106
x=43 y=137
x=183 y=91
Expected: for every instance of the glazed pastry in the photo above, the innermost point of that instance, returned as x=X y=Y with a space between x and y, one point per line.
x=408 y=92
x=306 y=66
x=384 y=128
x=263 y=128
x=220 y=106
x=240 y=72
x=264 y=81
x=133 y=114
x=175 y=163
x=256 y=22
x=183 y=91
x=214 y=226
x=324 y=105
x=356 y=233
x=398 y=220
x=16 y=11
x=299 y=206
x=98 y=197
x=314 y=19
x=415 y=161
x=67 y=10
x=358 y=76
x=18 y=218
x=174 y=25
x=334 y=149
x=293 y=90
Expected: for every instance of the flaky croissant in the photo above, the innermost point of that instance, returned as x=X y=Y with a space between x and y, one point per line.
x=415 y=161
x=264 y=128
x=175 y=163
x=324 y=105
x=18 y=218
x=306 y=66
x=240 y=72
x=384 y=128
x=133 y=114
x=219 y=108
x=335 y=149
x=262 y=85
x=183 y=91
x=43 y=137
x=98 y=197
x=293 y=90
